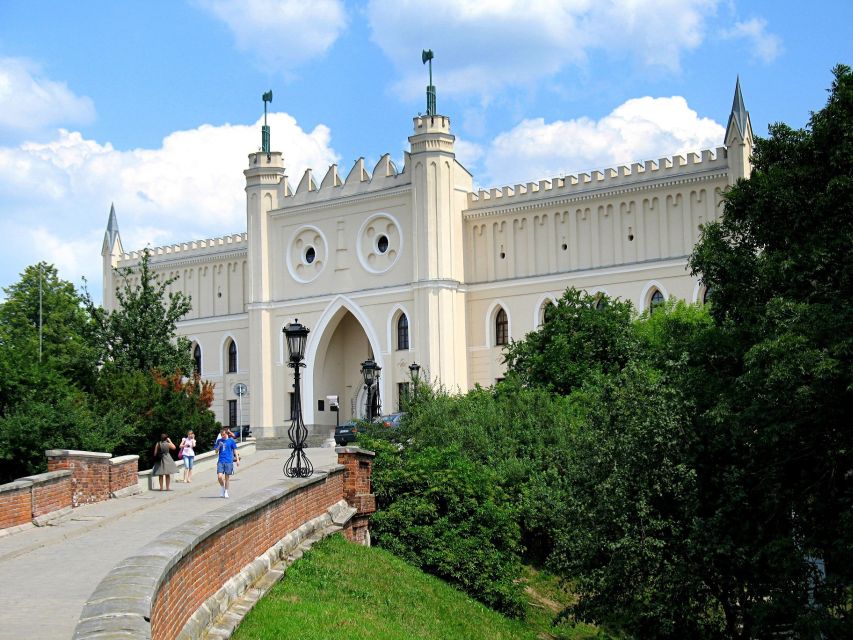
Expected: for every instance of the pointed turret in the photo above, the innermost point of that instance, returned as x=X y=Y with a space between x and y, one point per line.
x=739 y=138
x=110 y=251
x=111 y=236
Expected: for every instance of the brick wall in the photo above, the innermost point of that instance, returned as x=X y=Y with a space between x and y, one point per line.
x=358 y=470
x=209 y=565
x=50 y=492
x=15 y=504
x=91 y=473
x=124 y=472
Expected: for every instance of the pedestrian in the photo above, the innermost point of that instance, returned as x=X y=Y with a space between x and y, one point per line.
x=163 y=464
x=226 y=447
x=188 y=455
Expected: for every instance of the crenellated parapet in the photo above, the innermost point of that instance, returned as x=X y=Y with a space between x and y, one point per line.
x=358 y=181
x=637 y=175
x=195 y=248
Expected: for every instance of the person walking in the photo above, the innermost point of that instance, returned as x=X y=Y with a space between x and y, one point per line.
x=226 y=448
x=188 y=455
x=163 y=464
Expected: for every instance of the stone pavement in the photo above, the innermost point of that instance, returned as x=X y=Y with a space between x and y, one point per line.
x=48 y=573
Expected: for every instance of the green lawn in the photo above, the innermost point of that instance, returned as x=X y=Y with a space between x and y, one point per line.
x=341 y=590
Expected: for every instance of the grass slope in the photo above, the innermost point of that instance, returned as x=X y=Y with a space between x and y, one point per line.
x=342 y=590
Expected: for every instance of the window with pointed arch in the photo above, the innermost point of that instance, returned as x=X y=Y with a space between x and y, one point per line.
x=501 y=328
x=197 y=359
x=548 y=311
x=707 y=294
x=402 y=332
x=656 y=301
x=232 y=356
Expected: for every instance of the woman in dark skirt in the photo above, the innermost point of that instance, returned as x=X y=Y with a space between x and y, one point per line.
x=164 y=465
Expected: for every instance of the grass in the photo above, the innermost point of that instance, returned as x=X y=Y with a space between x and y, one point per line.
x=342 y=590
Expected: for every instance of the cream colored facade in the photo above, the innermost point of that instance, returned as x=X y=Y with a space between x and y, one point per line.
x=351 y=255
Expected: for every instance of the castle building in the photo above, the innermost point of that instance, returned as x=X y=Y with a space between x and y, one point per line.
x=415 y=265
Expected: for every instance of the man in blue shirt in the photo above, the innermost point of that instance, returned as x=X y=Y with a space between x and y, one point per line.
x=226 y=447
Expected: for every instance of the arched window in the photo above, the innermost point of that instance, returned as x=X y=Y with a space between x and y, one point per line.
x=707 y=295
x=197 y=359
x=548 y=310
x=600 y=302
x=656 y=301
x=501 y=328
x=402 y=333
x=232 y=357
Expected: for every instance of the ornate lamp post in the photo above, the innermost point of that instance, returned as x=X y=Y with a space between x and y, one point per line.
x=297 y=465
x=414 y=371
x=370 y=372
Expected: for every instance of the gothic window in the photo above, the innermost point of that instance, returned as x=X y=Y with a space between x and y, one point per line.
x=402 y=333
x=548 y=310
x=232 y=357
x=501 y=328
x=707 y=295
x=656 y=301
x=600 y=302
x=197 y=359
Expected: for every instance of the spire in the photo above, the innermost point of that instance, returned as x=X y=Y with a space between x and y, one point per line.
x=111 y=235
x=739 y=118
x=265 y=130
x=427 y=56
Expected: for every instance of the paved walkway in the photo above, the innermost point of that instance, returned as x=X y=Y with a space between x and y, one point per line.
x=48 y=573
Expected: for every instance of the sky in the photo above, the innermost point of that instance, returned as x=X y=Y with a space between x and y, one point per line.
x=154 y=106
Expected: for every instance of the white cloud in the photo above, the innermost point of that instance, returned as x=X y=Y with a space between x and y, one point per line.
x=281 y=34
x=766 y=47
x=31 y=102
x=483 y=46
x=191 y=187
x=639 y=129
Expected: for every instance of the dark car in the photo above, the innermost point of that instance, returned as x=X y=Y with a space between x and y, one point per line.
x=392 y=420
x=346 y=433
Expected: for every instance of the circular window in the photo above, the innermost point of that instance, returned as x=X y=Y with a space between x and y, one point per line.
x=382 y=244
x=379 y=243
x=306 y=253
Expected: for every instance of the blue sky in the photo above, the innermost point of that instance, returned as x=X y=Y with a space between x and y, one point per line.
x=154 y=105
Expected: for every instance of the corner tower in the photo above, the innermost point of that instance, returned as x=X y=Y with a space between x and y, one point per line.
x=265 y=178
x=110 y=251
x=739 y=139
x=439 y=187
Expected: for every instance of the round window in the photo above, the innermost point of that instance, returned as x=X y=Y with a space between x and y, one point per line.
x=310 y=254
x=382 y=244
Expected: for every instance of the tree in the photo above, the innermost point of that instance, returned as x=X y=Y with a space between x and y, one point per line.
x=65 y=343
x=583 y=334
x=777 y=434
x=140 y=334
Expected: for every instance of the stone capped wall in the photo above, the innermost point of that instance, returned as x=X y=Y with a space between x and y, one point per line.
x=15 y=504
x=91 y=473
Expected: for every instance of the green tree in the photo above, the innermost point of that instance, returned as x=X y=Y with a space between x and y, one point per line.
x=779 y=266
x=583 y=334
x=44 y=326
x=140 y=334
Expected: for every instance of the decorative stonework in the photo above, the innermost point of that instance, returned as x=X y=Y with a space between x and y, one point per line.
x=307 y=254
x=380 y=242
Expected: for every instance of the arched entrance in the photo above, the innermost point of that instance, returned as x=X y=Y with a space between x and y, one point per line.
x=342 y=345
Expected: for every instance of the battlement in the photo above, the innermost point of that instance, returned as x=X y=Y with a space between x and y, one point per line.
x=358 y=181
x=191 y=249
x=611 y=178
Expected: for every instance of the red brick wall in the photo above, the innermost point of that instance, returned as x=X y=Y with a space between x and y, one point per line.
x=50 y=495
x=91 y=475
x=15 y=504
x=123 y=472
x=215 y=560
x=358 y=468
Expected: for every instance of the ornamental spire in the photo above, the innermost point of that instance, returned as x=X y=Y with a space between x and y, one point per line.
x=427 y=56
x=265 y=130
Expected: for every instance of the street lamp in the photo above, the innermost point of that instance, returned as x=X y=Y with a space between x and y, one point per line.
x=414 y=371
x=297 y=465
x=370 y=372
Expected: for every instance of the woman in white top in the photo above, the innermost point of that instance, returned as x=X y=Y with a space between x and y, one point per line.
x=188 y=449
